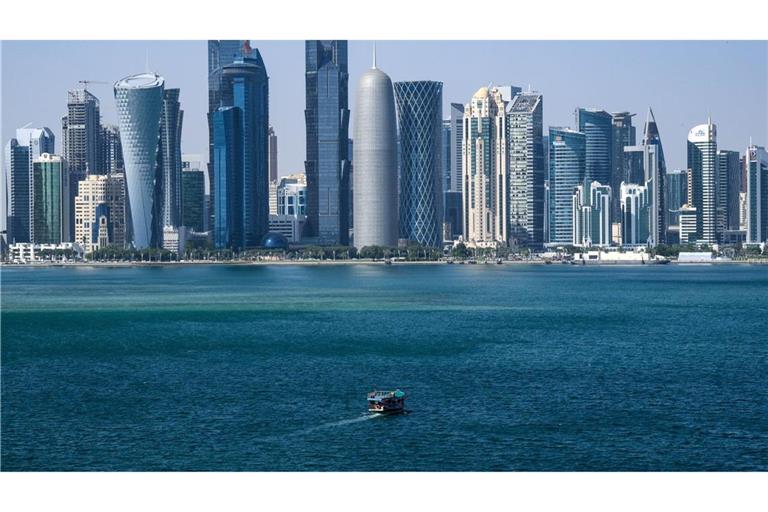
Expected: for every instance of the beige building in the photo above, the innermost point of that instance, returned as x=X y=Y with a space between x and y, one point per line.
x=485 y=179
x=100 y=212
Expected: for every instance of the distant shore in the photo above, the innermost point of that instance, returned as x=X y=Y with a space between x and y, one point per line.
x=360 y=262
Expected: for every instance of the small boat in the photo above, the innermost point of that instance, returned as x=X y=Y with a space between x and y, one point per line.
x=386 y=402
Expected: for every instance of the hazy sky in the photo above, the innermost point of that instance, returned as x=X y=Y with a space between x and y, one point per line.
x=682 y=81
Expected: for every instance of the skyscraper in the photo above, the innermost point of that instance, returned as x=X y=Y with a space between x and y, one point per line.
x=635 y=215
x=567 y=155
x=51 y=207
x=597 y=127
x=139 y=100
x=111 y=150
x=592 y=215
x=327 y=123
x=445 y=154
x=168 y=186
x=623 y=135
x=100 y=212
x=655 y=168
x=20 y=152
x=193 y=199
x=419 y=115
x=526 y=169
x=272 y=155
x=457 y=139
x=676 y=195
x=728 y=184
x=81 y=133
x=452 y=202
x=220 y=53
x=485 y=178
x=245 y=86
x=648 y=157
x=228 y=230
x=757 y=194
x=375 y=161
x=702 y=161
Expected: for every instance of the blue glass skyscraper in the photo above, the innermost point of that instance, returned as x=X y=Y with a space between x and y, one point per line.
x=597 y=127
x=245 y=85
x=228 y=175
x=567 y=156
x=420 y=117
x=328 y=165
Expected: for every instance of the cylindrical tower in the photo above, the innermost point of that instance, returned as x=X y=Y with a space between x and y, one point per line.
x=139 y=99
x=375 y=162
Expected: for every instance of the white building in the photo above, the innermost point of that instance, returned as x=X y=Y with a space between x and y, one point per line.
x=100 y=212
x=687 y=224
x=592 y=215
x=28 y=253
x=175 y=239
x=290 y=226
x=702 y=160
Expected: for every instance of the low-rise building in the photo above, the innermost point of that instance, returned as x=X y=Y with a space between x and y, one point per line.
x=30 y=253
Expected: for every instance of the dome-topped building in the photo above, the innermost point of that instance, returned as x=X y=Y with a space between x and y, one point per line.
x=375 y=161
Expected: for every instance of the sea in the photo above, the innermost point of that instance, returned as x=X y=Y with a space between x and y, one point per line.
x=266 y=368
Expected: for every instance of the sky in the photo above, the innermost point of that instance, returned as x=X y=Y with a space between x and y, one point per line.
x=683 y=81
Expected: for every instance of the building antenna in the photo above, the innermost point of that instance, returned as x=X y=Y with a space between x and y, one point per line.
x=374 y=55
x=146 y=64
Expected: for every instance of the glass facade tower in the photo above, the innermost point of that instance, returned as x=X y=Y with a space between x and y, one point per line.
x=419 y=114
x=51 y=200
x=228 y=230
x=702 y=161
x=597 y=127
x=169 y=159
x=757 y=195
x=327 y=162
x=567 y=155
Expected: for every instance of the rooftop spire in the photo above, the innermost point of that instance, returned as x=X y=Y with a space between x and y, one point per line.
x=374 y=55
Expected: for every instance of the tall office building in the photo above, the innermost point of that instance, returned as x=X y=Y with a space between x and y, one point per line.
x=676 y=194
x=457 y=139
x=220 y=53
x=169 y=160
x=193 y=199
x=375 y=161
x=655 y=169
x=445 y=154
x=757 y=194
x=688 y=232
x=623 y=134
x=139 y=100
x=51 y=208
x=452 y=201
x=648 y=156
x=592 y=215
x=728 y=184
x=81 y=133
x=328 y=164
x=245 y=86
x=28 y=145
x=100 y=212
x=419 y=114
x=635 y=215
x=526 y=169
x=485 y=179
x=597 y=127
x=272 y=155
x=567 y=157
x=111 y=150
x=228 y=230
x=702 y=161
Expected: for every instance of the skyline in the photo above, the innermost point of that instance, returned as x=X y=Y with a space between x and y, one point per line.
x=462 y=66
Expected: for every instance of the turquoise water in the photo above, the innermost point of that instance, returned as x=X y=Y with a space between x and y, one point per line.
x=265 y=368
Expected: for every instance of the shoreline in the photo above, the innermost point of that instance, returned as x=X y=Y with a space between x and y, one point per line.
x=126 y=264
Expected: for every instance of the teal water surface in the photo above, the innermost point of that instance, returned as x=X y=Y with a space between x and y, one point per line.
x=265 y=368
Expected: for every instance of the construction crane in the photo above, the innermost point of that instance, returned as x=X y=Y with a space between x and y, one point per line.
x=86 y=82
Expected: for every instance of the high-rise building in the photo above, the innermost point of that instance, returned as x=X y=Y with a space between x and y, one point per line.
x=419 y=114
x=702 y=161
x=457 y=139
x=728 y=184
x=623 y=135
x=635 y=215
x=676 y=194
x=567 y=156
x=228 y=230
x=28 y=145
x=100 y=212
x=445 y=154
x=139 y=100
x=292 y=195
x=375 y=161
x=272 y=155
x=245 y=85
x=220 y=53
x=757 y=194
x=81 y=133
x=597 y=127
x=169 y=160
x=526 y=169
x=328 y=164
x=51 y=207
x=592 y=215
x=688 y=230
x=485 y=166
x=648 y=155
x=193 y=199
x=111 y=150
